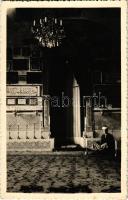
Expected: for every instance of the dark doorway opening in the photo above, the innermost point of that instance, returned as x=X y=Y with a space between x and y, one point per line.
x=61 y=111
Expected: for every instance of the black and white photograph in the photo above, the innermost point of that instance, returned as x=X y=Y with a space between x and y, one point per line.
x=63 y=100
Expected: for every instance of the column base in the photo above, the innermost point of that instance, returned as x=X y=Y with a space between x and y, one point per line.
x=75 y=140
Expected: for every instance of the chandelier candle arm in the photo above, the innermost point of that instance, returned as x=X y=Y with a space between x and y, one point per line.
x=45 y=19
x=61 y=22
x=55 y=21
x=34 y=23
x=40 y=21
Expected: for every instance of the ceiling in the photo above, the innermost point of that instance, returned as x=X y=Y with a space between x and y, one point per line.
x=92 y=34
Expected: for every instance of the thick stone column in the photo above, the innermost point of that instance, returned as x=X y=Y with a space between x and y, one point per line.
x=76 y=113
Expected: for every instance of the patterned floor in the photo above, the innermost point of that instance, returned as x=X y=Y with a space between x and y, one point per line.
x=62 y=173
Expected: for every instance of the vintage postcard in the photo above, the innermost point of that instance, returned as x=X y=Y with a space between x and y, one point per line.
x=63 y=81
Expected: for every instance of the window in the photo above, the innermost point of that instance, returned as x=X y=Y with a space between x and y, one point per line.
x=34 y=77
x=12 y=77
x=35 y=64
x=20 y=64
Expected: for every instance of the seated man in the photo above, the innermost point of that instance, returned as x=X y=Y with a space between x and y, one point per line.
x=107 y=143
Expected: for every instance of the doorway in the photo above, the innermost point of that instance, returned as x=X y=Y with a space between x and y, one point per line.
x=65 y=111
x=61 y=111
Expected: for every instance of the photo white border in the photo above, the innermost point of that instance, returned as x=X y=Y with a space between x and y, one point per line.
x=70 y=4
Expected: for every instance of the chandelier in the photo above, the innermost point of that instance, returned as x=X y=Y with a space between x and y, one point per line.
x=48 y=31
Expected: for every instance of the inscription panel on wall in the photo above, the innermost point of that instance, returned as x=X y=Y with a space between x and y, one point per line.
x=23 y=91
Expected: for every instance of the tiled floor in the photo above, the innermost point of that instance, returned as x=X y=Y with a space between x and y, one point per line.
x=62 y=173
